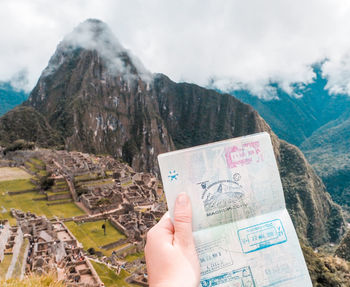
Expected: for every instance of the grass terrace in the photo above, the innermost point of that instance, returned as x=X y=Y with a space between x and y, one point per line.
x=90 y=234
x=110 y=278
x=86 y=177
x=36 y=166
x=16 y=185
x=134 y=256
x=49 y=193
x=4 y=265
x=26 y=203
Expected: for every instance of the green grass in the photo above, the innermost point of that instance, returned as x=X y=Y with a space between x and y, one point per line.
x=134 y=256
x=86 y=177
x=38 y=162
x=4 y=265
x=33 y=280
x=97 y=182
x=57 y=192
x=90 y=234
x=16 y=185
x=33 y=167
x=26 y=203
x=42 y=173
x=110 y=278
x=60 y=184
x=109 y=172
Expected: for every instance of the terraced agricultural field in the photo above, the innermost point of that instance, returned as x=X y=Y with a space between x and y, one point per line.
x=26 y=202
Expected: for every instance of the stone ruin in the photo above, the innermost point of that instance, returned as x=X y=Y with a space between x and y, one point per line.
x=53 y=247
x=106 y=189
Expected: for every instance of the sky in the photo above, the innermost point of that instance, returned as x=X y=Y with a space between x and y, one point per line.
x=227 y=44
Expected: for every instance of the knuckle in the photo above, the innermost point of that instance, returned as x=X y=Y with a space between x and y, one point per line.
x=182 y=218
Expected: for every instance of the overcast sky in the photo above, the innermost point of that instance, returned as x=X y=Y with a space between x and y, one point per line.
x=243 y=43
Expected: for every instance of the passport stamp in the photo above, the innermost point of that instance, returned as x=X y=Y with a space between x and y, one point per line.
x=237 y=278
x=212 y=257
x=262 y=236
x=243 y=155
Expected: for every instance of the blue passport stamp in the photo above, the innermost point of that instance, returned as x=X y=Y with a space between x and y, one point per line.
x=263 y=235
x=240 y=277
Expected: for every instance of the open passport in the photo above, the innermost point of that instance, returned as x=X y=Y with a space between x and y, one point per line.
x=243 y=233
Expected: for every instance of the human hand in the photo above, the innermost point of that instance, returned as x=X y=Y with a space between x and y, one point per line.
x=170 y=252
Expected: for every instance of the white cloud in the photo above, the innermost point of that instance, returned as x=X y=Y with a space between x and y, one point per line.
x=337 y=71
x=239 y=43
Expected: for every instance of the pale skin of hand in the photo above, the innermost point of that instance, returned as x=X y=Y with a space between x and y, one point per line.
x=171 y=257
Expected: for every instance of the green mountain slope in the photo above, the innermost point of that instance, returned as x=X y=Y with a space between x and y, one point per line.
x=328 y=150
x=28 y=124
x=9 y=97
x=319 y=124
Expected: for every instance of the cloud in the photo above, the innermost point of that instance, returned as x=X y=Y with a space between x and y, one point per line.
x=337 y=72
x=94 y=34
x=227 y=43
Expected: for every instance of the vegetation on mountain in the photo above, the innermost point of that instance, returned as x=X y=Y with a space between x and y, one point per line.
x=326 y=270
x=294 y=117
x=317 y=122
x=343 y=250
x=328 y=151
x=28 y=125
x=10 y=97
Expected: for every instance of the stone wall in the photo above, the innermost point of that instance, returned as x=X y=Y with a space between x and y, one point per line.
x=4 y=235
x=119 y=227
x=59 y=196
x=15 y=252
x=115 y=244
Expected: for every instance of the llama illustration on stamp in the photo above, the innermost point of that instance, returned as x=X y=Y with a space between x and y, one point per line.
x=222 y=193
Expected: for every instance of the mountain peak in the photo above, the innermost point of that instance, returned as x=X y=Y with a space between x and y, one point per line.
x=95 y=35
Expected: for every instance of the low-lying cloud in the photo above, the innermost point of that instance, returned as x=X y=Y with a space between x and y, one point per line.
x=228 y=44
x=95 y=35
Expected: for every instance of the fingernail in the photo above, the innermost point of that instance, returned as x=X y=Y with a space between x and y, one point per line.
x=182 y=199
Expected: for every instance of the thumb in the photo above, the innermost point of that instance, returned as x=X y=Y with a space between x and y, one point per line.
x=183 y=220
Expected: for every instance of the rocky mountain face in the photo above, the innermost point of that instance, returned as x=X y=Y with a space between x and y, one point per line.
x=100 y=99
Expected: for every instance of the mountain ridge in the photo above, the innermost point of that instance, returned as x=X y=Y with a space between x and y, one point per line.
x=318 y=123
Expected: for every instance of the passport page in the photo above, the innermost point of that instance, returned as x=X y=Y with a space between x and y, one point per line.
x=243 y=233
